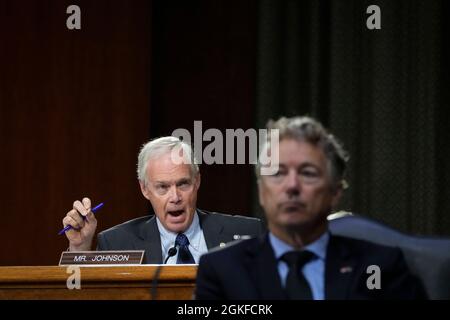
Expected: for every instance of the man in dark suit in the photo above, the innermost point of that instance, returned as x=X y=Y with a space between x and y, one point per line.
x=169 y=178
x=299 y=258
x=143 y=234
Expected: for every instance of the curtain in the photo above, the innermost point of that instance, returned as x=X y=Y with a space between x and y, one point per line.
x=383 y=93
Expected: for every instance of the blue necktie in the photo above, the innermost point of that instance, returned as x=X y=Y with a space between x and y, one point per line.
x=297 y=287
x=184 y=255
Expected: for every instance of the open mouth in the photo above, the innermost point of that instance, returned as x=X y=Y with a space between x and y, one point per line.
x=175 y=213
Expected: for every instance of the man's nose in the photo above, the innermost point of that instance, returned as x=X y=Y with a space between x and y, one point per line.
x=292 y=184
x=174 y=195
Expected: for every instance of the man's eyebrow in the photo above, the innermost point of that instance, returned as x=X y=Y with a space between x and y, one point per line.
x=161 y=182
x=309 y=164
x=186 y=179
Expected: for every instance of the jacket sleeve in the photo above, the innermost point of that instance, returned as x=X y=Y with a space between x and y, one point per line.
x=102 y=243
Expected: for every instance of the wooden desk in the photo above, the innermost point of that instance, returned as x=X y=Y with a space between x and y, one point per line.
x=102 y=282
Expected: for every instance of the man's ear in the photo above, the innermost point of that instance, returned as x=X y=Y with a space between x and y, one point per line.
x=144 y=190
x=198 y=180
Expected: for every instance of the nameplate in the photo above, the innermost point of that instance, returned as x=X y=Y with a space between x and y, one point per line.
x=101 y=257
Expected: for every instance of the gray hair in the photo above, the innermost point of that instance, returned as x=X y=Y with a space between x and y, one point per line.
x=157 y=147
x=310 y=130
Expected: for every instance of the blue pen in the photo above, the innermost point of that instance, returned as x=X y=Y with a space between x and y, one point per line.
x=68 y=227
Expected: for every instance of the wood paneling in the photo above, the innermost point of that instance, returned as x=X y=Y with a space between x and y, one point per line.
x=74 y=109
x=75 y=106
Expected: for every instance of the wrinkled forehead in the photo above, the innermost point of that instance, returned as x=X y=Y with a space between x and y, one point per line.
x=164 y=168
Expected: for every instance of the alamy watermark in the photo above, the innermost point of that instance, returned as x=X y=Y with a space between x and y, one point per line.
x=374 y=280
x=74 y=279
x=263 y=147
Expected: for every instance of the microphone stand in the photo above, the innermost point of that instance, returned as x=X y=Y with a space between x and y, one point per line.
x=172 y=251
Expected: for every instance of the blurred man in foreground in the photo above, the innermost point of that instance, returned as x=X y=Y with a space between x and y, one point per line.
x=298 y=258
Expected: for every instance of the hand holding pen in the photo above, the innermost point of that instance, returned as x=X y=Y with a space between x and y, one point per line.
x=80 y=225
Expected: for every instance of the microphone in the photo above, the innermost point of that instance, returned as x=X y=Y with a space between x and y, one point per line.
x=172 y=251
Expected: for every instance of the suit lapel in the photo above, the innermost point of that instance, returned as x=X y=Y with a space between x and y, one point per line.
x=340 y=270
x=150 y=241
x=211 y=230
x=262 y=268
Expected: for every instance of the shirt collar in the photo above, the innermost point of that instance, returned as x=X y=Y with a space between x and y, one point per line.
x=318 y=247
x=168 y=237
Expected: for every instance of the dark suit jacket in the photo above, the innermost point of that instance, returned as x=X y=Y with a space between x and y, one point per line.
x=142 y=233
x=248 y=270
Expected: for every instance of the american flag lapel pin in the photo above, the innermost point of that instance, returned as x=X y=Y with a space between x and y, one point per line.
x=346 y=269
